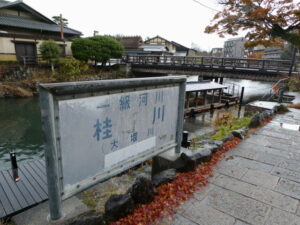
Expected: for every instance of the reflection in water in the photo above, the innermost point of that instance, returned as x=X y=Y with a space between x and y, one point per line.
x=204 y=122
x=20 y=130
x=254 y=90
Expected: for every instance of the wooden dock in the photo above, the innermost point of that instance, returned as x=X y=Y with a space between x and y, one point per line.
x=205 y=108
x=29 y=191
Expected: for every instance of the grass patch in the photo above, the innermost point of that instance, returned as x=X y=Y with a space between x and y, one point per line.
x=92 y=198
x=282 y=109
x=200 y=137
x=227 y=128
x=195 y=146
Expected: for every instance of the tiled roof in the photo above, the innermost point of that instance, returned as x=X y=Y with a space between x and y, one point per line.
x=179 y=47
x=20 y=22
x=159 y=37
x=7 y=3
x=131 y=42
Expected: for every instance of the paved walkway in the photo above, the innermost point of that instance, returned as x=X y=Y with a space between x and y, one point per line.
x=258 y=182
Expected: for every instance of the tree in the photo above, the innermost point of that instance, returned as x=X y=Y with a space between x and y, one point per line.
x=104 y=48
x=50 y=51
x=97 y=49
x=267 y=21
x=82 y=49
x=56 y=19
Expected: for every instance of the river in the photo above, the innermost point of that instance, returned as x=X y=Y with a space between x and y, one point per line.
x=20 y=130
x=20 y=124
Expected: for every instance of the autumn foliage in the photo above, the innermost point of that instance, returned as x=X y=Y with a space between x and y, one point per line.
x=171 y=195
x=268 y=22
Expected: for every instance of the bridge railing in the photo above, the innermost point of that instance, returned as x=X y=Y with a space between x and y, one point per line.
x=215 y=62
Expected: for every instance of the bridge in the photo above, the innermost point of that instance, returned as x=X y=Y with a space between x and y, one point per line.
x=211 y=67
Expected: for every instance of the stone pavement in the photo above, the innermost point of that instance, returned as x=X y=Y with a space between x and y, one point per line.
x=258 y=182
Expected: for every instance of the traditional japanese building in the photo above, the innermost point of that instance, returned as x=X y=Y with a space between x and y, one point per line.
x=132 y=45
x=23 y=29
x=171 y=47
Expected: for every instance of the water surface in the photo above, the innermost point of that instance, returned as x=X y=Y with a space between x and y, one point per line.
x=20 y=130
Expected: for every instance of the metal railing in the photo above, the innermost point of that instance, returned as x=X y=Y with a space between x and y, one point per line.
x=212 y=62
x=30 y=60
x=274 y=90
x=232 y=89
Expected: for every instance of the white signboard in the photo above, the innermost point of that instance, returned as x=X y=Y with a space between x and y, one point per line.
x=99 y=133
x=97 y=129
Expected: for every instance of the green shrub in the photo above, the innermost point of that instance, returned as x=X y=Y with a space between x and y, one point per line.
x=282 y=109
x=50 y=51
x=97 y=49
x=83 y=66
x=70 y=66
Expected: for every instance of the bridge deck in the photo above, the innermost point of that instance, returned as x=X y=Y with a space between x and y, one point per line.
x=258 y=69
x=29 y=191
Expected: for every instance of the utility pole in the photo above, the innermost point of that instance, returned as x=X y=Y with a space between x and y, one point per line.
x=61 y=27
x=96 y=32
x=294 y=52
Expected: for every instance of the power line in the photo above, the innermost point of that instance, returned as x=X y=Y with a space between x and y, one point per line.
x=206 y=6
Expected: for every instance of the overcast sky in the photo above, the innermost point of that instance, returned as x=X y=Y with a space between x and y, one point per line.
x=182 y=21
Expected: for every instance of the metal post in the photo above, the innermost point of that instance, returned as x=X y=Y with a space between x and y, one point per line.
x=213 y=97
x=281 y=92
x=242 y=97
x=197 y=94
x=51 y=155
x=187 y=100
x=180 y=116
x=204 y=96
x=293 y=60
x=185 y=136
x=14 y=166
x=221 y=80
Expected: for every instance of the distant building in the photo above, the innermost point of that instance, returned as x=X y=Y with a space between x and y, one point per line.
x=234 y=48
x=23 y=29
x=272 y=53
x=154 y=49
x=216 y=52
x=180 y=49
x=193 y=52
x=260 y=52
x=131 y=44
x=171 y=47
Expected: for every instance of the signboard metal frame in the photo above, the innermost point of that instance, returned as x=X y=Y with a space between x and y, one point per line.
x=51 y=94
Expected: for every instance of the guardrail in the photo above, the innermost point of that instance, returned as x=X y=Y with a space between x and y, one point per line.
x=212 y=62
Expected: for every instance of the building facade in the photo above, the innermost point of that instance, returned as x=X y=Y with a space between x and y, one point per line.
x=169 y=46
x=234 y=48
x=23 y=30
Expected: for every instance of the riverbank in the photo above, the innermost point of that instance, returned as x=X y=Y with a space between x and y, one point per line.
x=28 y=87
